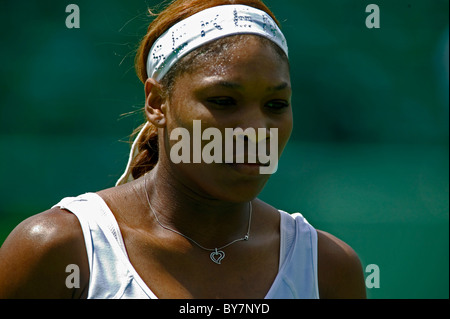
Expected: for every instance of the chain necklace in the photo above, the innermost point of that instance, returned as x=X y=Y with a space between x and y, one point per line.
x=217 y=254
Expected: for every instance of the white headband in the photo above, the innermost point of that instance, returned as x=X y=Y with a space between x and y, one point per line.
x=197 y=30
x=206 y=26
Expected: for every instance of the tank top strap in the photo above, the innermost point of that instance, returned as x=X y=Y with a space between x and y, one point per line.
x=111 y=273
x=92 y=211
x=297 y=277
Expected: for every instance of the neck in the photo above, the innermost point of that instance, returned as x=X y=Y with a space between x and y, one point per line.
x=209 y=221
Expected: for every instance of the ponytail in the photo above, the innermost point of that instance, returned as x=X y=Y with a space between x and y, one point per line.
x=147 y=150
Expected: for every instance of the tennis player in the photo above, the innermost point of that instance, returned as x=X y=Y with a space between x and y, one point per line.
x=191 y=229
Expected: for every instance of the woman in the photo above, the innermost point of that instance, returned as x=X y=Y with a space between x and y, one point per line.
x=192 y=228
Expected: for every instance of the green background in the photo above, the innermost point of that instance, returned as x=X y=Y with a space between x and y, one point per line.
x=368 y=159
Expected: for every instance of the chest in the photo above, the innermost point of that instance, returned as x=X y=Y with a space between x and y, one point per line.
x=174 y=268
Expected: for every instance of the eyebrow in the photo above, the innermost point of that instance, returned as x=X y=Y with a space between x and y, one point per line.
x=279 y=87
x=229 y=85
x=237 y=86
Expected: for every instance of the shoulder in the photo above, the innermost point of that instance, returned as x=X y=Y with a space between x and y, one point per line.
x=34 y=257
x=340 y=271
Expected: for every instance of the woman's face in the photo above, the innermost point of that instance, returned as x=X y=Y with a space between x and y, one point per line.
x=248 y=86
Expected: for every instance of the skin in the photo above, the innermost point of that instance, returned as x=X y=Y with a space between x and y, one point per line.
x=207 y=202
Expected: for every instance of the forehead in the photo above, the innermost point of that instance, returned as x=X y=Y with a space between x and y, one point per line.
x=238 y=56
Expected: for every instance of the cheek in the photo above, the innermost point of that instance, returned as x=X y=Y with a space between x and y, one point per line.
x=180 y=130
x=284 y=132
x=178 y=116
x=182 y=111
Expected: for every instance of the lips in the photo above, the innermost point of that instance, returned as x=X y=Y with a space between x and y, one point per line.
x=246 y=160
x=246 y=168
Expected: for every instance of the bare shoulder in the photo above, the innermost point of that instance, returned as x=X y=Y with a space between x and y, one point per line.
x=340 y=271
x=34 y=257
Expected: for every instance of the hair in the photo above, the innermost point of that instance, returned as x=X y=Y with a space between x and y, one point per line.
x=176 y=11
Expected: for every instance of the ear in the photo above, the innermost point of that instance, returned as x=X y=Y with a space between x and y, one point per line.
x=154 y=103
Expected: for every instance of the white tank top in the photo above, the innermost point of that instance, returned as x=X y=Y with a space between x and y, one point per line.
x=113 y=276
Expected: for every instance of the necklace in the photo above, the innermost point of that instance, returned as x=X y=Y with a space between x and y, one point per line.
x=217 y=254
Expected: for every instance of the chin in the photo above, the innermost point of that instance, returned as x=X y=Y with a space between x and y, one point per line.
x=233 y=185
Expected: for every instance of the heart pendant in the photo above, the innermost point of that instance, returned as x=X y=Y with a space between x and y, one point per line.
x=217 y=256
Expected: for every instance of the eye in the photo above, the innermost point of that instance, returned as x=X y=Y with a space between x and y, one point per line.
x=221 y=102
x=277 y=105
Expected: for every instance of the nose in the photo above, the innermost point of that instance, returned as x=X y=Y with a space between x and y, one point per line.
x=252 y=119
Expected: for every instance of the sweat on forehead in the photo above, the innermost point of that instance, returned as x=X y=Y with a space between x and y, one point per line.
x=219 y=55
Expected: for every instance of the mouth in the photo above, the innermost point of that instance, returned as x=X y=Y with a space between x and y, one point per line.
x=248 y=158
x=251 y=169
